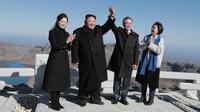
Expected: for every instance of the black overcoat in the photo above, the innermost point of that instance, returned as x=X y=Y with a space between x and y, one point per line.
x=126 y=52
x=88 y=51
x=57 y=72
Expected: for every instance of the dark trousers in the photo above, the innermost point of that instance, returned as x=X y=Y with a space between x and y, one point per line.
x=85 y=96
x=144 y=87
x=120 y=88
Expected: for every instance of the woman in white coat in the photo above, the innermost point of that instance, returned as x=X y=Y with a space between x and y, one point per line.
x=149 y=67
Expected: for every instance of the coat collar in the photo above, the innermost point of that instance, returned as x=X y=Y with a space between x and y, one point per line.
x=131 y=33
x=88 y=29
x=91 y=34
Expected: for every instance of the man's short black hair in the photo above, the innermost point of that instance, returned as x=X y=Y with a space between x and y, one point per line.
x=160 y=27
x=89 y=15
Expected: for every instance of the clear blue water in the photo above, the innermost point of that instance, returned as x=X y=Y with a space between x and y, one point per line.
x=14 y=80
x=15 y=64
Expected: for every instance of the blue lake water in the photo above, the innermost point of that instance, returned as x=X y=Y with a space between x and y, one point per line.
x=15 y=64
x=14 y=80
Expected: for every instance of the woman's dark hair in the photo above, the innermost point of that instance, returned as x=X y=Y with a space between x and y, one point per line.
x=160 y=27
x=61 y=16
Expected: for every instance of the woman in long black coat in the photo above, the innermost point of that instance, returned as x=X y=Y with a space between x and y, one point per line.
x=57 y=72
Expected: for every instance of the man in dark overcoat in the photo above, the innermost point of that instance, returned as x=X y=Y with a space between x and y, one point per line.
x=124 y=59
x=88 y=53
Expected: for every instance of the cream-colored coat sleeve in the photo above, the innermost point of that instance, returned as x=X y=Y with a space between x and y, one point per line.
x=158 y=49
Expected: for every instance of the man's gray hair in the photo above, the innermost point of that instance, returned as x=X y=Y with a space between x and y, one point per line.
x=127 y=17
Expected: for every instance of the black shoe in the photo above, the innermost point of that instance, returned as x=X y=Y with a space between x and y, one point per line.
x=115 y=101
x=141 y=100
x=60 y=105
x=149 y=102
x=94 y=101
x=82 y=103
x=54 y=106
x=125 y=102
x=101 y=90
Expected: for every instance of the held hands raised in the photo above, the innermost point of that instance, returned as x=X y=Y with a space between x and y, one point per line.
x=112 y=11
x=71 y=38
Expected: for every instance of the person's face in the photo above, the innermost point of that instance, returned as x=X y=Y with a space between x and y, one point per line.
x=62 y=23
x=91 y=22
x=127 y=24
x=154 y=30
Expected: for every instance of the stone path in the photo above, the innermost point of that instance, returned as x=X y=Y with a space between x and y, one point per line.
x=70 y=103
